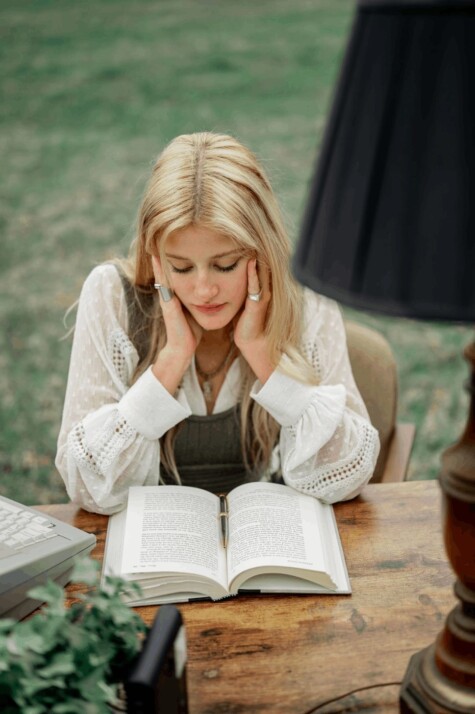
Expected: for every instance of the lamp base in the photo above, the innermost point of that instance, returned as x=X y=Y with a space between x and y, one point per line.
x=441 y=678
x=425 y=691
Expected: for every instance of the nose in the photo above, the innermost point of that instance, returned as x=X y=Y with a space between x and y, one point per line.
x=206 y=288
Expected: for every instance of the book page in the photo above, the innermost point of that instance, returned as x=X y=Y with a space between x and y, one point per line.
x=335 y=559
x=272 y=526
x=173 y=529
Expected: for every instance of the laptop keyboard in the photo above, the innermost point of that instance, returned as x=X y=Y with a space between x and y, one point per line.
x=20 y=528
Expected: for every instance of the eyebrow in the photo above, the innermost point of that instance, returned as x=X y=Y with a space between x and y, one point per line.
x=213 y=257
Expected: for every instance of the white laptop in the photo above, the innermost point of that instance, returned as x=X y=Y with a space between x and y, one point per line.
x=34 y=547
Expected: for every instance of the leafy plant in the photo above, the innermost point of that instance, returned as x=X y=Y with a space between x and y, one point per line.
x=70 y=660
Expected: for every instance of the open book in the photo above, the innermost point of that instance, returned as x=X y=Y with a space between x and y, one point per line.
x=170 y=540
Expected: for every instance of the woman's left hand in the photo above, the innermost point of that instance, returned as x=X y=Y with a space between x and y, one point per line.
x=249 y=325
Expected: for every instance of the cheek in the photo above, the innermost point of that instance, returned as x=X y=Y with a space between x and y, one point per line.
x=178 y=284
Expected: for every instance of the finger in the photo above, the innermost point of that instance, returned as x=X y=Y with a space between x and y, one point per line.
x=264 y=277
x=196 y=329
x=166 y=293
x=253 y=284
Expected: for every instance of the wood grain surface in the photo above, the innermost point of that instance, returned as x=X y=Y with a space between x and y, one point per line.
x=292 y=654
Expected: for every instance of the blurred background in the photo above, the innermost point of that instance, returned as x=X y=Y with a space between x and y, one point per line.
x=91 y=92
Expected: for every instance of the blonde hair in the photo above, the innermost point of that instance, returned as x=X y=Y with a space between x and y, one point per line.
x=211 y=180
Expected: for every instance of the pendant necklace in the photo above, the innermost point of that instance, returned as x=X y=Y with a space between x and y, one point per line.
x=208 y=376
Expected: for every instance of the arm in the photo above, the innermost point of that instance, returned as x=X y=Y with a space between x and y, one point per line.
x=328 y=447
x=109 y=433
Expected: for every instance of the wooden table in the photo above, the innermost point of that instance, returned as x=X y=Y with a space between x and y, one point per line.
x=276 y=654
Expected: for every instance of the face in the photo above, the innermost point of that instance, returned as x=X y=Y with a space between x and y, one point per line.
x=208 y=274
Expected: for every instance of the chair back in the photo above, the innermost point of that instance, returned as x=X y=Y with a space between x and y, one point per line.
x=375 y=372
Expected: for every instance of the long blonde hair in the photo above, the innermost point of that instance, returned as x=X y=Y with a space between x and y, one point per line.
x=213 y=181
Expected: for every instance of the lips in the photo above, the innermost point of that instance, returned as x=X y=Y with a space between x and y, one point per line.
x=209 y=309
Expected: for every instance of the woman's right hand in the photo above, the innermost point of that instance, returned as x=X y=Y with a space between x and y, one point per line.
x=183 y=337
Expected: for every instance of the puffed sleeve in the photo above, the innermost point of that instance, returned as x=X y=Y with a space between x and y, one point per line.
x=328 y=447
x=109 y=436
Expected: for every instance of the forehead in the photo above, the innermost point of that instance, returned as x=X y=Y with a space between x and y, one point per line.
x=199 y=242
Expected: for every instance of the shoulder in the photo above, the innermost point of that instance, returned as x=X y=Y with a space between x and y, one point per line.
x=320 y=312
x=324 y=334
x=102 y=292
x=103 y=283
x=104 y=277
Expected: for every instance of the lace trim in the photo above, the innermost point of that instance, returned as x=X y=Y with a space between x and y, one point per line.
x=121 y=350
x=312 y=355
x=99 y=456
x=342 y=478
x=77 y=447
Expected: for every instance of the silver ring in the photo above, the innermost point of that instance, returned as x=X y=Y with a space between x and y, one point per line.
x=165 y=293
x=255 y=297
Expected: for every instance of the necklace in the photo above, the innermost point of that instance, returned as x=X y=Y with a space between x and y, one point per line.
x=208 y=376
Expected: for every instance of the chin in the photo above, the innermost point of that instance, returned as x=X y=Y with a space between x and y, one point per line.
x=213 y=322
x=210 y=325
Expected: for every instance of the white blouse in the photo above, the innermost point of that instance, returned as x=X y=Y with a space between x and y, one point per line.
x=109 y=437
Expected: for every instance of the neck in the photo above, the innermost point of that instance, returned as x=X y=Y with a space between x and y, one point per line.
x=211 y=365
x=215 y=338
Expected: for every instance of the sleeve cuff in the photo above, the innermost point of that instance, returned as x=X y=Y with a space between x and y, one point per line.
x=286 y=399
x=150 y=409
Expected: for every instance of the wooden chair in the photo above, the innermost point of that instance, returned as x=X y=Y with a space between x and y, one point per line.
x=375 y=373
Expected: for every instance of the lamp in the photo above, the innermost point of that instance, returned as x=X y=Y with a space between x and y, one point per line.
x=390 y=226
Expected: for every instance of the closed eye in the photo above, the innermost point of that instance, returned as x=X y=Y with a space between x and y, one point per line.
x=227 y=268
x=220 y=268
x=180 y=270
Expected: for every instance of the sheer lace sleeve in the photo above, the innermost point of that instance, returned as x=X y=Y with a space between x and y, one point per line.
x=328 y=447
x=109 y=433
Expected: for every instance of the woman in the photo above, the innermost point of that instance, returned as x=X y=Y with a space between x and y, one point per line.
x=199 y=360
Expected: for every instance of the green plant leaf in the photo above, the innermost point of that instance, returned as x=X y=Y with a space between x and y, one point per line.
x=25 y=639
x=69 y=660
x=94 y=688
x=80 y=707
x=62 y=663
x=33 y=685
x=85 y=571
x=6 y=625
x=51 y=593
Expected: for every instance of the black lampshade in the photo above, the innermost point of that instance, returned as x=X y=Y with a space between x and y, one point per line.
x=390 y=219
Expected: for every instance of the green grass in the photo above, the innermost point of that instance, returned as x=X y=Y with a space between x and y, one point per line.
x=91 y=91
